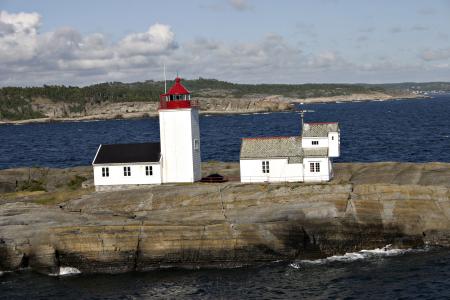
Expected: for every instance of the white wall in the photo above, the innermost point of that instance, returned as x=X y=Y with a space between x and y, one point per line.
x=138 y=176
x=279 y=171
x=178 y=128
x=335 y=144
x=323 y=175
x=307 y=142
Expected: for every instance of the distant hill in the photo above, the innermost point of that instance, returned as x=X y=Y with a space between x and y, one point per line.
x=17 y=103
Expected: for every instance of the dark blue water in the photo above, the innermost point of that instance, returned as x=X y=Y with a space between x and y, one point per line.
x=400 y=130
x=416 y=275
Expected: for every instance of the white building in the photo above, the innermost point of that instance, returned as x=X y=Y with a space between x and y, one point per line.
x=175 y=159
x=291 y=159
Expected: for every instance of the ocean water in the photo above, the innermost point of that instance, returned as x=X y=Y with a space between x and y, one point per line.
x=413 y=274
x=400 y=130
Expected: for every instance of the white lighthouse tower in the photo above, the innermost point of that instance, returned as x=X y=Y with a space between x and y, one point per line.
x=179 y=135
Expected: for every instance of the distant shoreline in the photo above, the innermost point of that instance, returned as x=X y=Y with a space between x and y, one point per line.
x=292 y=102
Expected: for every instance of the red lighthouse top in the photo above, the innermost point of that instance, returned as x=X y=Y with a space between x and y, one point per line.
x=177 y=97
x=178 y=88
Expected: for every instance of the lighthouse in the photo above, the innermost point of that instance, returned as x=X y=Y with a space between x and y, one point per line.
x=176 y=158
x=179 y=135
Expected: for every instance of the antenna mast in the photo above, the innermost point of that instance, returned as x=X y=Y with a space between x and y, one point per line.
x=165 y=80
x=302 y=115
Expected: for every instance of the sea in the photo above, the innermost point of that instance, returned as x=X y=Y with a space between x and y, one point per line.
x=405 y=130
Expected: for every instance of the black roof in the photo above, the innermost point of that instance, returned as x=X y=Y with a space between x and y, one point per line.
x=128 y=153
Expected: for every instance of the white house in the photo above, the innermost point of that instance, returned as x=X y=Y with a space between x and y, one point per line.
x=175 y=159
x=293 y=158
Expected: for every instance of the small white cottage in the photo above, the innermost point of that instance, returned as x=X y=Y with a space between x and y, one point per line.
x=175 y=159
x=293 y=158
x=125 y=164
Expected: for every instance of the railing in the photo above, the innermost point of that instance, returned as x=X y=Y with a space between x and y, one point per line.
x=173 y=104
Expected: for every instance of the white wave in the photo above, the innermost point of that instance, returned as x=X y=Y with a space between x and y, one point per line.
x=353 y=256
x=66 y=271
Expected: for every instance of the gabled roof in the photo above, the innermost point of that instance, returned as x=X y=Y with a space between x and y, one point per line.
x=128 y=153
x=272 y=147
x=319 y=129
x=177 y=88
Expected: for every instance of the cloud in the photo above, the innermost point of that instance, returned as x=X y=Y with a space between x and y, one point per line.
x=24 y=52
x=65 y=56
x=18 y=33
x=362 y=38
x=395 y=29
x=367 y=29
x=306 y=29
x=240 y=5
x=427 y=11
x=420 y=28
x=400 y=29
x=158 y=39
x=439 y=54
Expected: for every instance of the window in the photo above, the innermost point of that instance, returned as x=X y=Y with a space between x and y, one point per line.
x=126 y=171
x=105 y=172
x=265 y=166
x=332 y=138
x=196 y=144
x=315 y=142
x=314 y=167
x=148 y=170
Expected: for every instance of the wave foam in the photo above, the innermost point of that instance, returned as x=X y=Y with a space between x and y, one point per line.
x=353 y=256
x=66 y=271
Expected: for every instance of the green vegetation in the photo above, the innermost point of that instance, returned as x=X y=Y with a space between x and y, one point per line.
x=75 y=182
x=17 y=109
x=32 y=186
x=17 y=102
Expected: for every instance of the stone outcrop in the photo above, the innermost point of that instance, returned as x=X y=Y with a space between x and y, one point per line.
x=66 y=111
x=228 y=224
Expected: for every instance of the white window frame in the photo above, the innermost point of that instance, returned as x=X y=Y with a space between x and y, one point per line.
x=127 y=171
x=105 y=171
x=148 y=170
x=265 y=167
x=314 y=167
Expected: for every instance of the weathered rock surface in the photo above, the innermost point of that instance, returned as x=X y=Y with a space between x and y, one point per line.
x=229 y=224
x=62 y=111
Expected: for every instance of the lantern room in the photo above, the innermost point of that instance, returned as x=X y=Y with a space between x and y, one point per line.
x=177 y=97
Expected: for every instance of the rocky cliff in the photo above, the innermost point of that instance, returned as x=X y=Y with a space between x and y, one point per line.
x=66 y=111
x=58 y=223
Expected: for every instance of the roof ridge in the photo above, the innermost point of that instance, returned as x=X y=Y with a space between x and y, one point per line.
x=321 y=123
x=270 y=137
